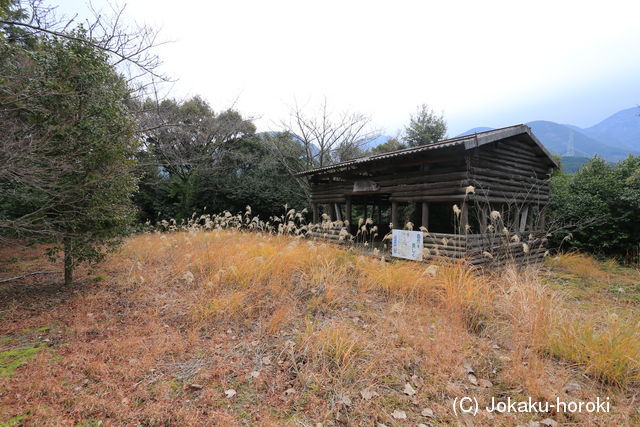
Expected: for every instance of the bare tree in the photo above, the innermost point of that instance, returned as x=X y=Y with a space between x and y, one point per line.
x=131 y=48
x=328 y=138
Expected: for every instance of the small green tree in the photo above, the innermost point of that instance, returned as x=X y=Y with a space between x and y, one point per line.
x=71 y=131
x=391 y=145
x=425 y=127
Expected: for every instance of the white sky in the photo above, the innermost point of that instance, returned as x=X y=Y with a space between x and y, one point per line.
x=483 y=63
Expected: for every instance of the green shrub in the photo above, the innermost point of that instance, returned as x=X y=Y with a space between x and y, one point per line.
x=600 y=205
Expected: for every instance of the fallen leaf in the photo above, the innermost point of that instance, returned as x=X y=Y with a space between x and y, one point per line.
x=485 y=383
x=399 y=415
x=343 y=399
x=468 y=369
x=427 y=412
x=253 y=374
x=230 y=393
x=548 y=422
x=472 y=379
x=195 y=386
x=289 y=391
x=368 y=394
x=419 y=382
x=266 y=360
x=570 y=388
x=408 y=390
x=188 y=277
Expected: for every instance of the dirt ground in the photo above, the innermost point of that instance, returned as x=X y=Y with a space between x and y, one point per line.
x=227 y=329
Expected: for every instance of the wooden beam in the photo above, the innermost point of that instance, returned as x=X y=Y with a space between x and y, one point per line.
x=316 y=213
x=523 y=218
x=484 y=217
x=464 y=218
x=336 y=208
x=515 y=223
x=395 y=221
x=425 y=215
x=347 y=213
x=329 y=211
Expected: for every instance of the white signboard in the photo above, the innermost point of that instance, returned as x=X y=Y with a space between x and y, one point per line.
x=407 y=244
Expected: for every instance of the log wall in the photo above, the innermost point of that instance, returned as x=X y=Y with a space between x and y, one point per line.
x=509 y=170
x=440 y=177
x=486 y=249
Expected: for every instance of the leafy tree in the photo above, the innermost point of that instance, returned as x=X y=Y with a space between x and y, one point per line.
x=600 y=205
x=68 y=149
x=425 y=127
x=187 y=143
x=391 y=145
x=258 y=179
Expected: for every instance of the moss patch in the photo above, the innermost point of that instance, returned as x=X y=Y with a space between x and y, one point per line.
x=14 y=421
x=12 y=359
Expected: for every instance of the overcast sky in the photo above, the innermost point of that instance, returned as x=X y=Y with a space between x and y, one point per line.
x=482 y=63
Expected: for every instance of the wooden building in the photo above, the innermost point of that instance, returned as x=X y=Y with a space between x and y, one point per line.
x=480 y=197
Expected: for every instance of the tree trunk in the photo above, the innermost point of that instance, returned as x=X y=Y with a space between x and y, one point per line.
x=68 y=264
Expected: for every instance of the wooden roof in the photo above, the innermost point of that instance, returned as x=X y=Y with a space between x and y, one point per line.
x=468 y=141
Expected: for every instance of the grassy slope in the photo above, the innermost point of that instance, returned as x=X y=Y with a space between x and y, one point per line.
x=301 y=330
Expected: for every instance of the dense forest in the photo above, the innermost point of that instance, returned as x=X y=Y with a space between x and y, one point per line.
x=88 y=151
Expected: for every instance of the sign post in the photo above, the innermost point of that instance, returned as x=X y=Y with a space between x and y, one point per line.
x=407 y=244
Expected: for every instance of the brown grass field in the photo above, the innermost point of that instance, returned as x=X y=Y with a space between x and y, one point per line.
x=232 y=328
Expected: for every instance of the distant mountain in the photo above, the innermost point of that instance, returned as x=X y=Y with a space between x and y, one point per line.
x=613 y=138
x=622 y=129
x=475 y=130
x=565 y=141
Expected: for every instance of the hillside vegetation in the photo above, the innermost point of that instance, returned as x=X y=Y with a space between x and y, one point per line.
x=225 y=327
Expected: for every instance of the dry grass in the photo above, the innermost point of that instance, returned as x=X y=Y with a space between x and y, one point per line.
x=299 y=330
x=581 y=265
x=606 y=348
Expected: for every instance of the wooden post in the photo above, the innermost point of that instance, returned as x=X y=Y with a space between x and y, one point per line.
x=425 y=215
x=516 y=220
x=316 y=213
x=395 y=221
x=484 y=216
x=523 y=218
x=464 y=218
x=336 y=208
x=329 y=211
x=347 y=209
